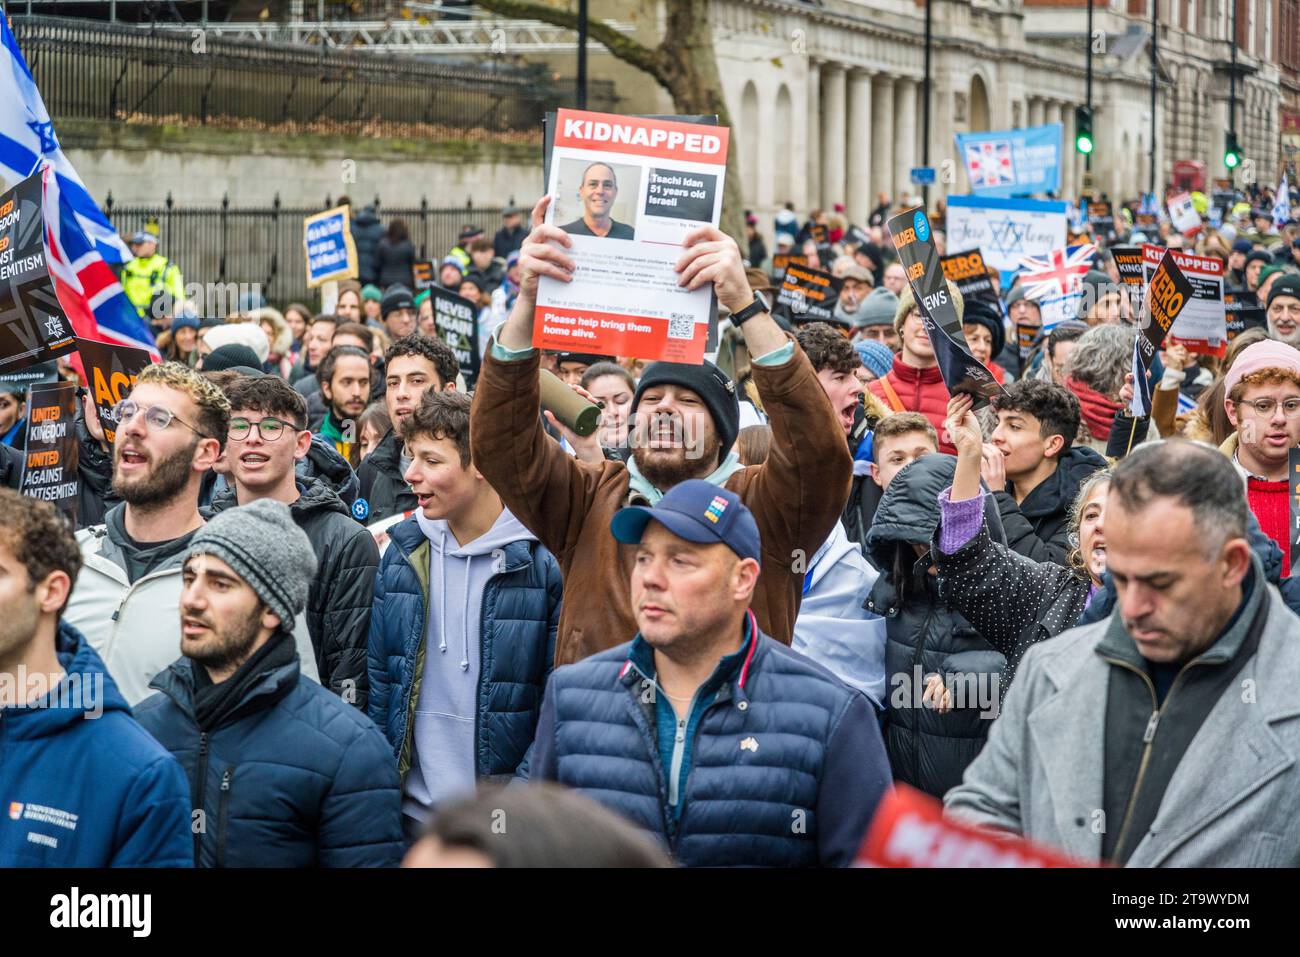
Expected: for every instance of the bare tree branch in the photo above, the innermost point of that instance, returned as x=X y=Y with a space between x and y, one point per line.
x=621 y=46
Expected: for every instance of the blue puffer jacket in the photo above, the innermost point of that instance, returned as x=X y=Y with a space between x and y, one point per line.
x=293 y=778
x=787 y=762
x=519 y=616
x=88 y=789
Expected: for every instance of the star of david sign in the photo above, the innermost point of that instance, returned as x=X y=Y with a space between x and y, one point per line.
x=1007 y=234
x=53 y=327
x=49 y=144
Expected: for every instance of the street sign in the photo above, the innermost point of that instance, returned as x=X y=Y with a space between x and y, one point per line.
x=922 y=175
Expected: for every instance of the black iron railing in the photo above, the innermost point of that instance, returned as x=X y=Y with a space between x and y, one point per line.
x=108 y=71
x=224 y=246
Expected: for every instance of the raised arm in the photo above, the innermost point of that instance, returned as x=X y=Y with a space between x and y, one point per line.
x=800 y=491
x=546 y=489
x=1001 y=593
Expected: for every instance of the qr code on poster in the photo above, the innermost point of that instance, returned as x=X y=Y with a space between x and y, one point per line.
x=681 y=326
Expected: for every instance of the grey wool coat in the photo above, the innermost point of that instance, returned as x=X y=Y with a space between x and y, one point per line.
x=1233 y=800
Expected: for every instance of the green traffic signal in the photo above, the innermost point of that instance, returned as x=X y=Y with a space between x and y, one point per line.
x=1083 y=130
x=1231 y=151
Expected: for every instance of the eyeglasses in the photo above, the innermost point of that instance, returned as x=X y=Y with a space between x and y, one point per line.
x=156 y=416
x=269 y=429
x=1265 y=407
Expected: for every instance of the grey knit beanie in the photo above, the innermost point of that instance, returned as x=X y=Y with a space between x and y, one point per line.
x=266 y=549
x=877 y=309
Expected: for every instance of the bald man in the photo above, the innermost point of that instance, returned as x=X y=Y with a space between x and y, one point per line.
x=598 y=191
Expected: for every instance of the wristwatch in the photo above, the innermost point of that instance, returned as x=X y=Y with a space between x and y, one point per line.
x=749 y=312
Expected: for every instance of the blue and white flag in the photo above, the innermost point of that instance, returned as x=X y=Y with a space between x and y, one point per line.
x=1282 y=204
x=1010 y=163
x=80 y=243
x=28 y=141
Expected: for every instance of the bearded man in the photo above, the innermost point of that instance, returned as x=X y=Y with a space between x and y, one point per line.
x=685 y=419
x=170 y=431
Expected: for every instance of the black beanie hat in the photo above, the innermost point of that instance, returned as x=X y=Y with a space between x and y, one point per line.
x=1287 y=284
x=229 y=356
x=708 y=382
x=979 y=311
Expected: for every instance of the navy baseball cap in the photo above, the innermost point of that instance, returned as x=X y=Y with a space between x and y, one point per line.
x=697 y=511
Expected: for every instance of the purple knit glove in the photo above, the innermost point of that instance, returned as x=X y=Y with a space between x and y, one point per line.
x=959 y=522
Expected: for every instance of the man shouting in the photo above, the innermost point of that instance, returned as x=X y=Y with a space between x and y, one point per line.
x=685 y=422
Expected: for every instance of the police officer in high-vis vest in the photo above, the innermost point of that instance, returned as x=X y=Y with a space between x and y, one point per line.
x=148 y=277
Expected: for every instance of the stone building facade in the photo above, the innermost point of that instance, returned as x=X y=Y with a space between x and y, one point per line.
x=827 y=102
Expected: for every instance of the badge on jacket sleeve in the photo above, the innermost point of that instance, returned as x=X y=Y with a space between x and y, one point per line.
x=360 y=509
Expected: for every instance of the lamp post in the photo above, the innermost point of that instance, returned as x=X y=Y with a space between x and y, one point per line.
x=925 y=105
x=1151 y=172
x=1087 y=157
x=1232 y=89
x=582 y=54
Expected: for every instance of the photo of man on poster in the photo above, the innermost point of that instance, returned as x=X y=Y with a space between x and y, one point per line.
x=597 y=192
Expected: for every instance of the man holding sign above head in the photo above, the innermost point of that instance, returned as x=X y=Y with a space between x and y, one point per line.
x=685 y=421
x=597 y=193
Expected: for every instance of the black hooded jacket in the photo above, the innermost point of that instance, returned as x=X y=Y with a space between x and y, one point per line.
x=383 y=489
x=340 y=597
x=95 y=495
x=366 y=233
x=924 y=636
x=324 y=462
x=11 y=467
x=1038 y=527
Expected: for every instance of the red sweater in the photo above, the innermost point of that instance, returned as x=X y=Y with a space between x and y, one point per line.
x=919 y=390
x=1271 y=503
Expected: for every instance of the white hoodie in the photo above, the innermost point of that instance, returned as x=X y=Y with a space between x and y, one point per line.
x=833 y=629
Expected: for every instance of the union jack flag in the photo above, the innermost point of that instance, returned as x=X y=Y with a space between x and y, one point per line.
x=87 y=287
x=79 y=241
x=1059 y=273
x=989 y=164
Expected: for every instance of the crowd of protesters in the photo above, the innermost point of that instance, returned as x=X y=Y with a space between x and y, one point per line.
x=319 y=592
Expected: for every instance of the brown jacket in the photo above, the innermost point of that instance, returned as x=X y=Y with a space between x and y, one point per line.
x=796 y=497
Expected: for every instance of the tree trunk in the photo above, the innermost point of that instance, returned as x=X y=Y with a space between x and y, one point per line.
x=693 y=82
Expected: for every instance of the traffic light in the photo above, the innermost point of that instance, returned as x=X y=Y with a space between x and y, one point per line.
x=1083 y=129
x=1231 y=151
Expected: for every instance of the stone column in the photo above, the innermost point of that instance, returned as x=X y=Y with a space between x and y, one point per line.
x=1035 y=111
x=882 y=138
x=905 y=122
x=859 y=198
x=813 y=139
x=1071 y=161
x=834 y=116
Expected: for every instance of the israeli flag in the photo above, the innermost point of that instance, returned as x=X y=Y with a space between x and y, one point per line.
x=1282 y=204
x=28 y=141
